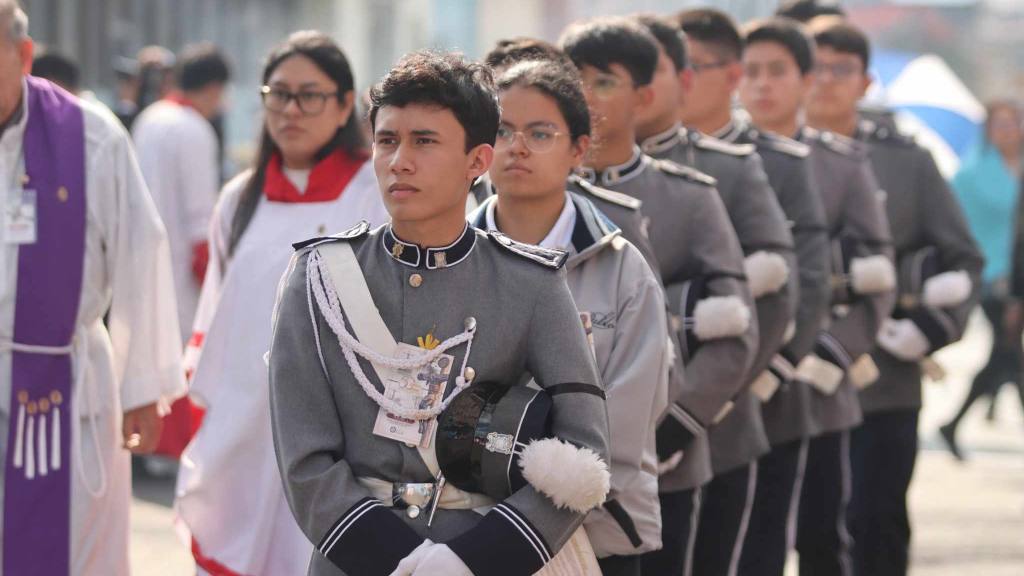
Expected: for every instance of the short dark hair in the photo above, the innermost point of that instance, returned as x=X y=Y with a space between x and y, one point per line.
x=606 y=41
x=787 y=33
x=511 y=51
x=805 y=10
x=712 y=27
x=57 y=68
x=447 y=80
x=842 y=36
x=201 y=65
x=671 y=38
x=559 y=82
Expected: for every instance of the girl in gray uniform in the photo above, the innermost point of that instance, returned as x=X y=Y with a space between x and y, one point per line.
x=544 y=134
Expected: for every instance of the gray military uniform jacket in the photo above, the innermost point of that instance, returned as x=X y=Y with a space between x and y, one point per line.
x=762 y=230
x=323 y=420
x=693 y=239
x=922 y=213
x=622 y=299
x=855 y=213
x=786 y=414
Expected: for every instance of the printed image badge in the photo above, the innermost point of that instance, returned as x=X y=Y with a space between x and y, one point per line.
x=588 y=329
x=20 y=217
x=421 y=389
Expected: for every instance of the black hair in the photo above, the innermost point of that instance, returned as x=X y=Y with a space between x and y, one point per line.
x=606 y=41
x=201 y=65
x=447 y=80
x=328 y=57
x=511 y=51
x=57 y=68
x=806 y=10
x=671 y=38
x=712 y=27
x=842 y=36
x=559 y=82
x=787 y=33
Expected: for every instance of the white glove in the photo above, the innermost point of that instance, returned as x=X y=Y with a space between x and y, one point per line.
x=820 y=373
x=947 y=289
x=441 y=561
x=765 y=385
x=903 y=339
x=409 y=563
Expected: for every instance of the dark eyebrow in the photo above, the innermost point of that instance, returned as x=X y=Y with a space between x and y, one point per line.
x=534 y=124
x=383 y=132
x=425 y=132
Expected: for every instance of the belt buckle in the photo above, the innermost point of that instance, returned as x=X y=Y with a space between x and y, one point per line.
x=415 y=496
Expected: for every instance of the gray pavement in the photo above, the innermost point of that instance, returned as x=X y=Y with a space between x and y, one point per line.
x=968 y=517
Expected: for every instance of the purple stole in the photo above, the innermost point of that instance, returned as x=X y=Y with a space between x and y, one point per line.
x=37 y=473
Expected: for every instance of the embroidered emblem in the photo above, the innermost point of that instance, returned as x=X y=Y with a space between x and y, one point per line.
x=397 y=250
x=500 y=443
x=427 y=342
x=440 y=259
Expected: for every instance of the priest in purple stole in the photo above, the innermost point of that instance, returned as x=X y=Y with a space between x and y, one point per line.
x=78 y=235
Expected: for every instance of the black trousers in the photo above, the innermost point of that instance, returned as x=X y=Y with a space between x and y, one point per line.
x=766 y=544
x=822 y=538
x=883 y=452
x=726 y=503
x=679 y=511
x=620 y=565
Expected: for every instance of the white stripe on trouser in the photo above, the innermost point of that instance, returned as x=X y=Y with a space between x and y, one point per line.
x=741 y=534
x=794 y=501
x=845 y=540
x=691 y=539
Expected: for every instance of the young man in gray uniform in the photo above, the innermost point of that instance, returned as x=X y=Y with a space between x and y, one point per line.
x=377 y=332
x=778 y=72
x=924 y=217
x=740 y=439
x=715 y=48
x=695 y=246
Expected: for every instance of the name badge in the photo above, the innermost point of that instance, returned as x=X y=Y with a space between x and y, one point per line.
x=421 y=389
x=20 y=217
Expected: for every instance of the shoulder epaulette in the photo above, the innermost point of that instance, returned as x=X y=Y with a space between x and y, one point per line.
x=553 y=259
x=618 y=198
x=691 y=174
x=841 y=144
x=713 y=144
x=882 y=133
x=354 y=232
x=781 y=144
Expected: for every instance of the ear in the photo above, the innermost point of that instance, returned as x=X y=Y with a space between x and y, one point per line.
x=348 y=105
x=685 y=79
x=643 y=97
x=733 y=75
x=578 y=149
x=866 y=80
x=480 y=159
x=26 y=51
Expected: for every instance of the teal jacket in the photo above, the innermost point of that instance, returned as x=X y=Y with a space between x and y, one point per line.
x=988 y=192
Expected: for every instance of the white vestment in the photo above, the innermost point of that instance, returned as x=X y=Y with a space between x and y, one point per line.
x=229 y=495
x=178 y=154
x=137 y=362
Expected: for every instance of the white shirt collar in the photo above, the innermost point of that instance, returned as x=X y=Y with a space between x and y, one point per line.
x=560 y=235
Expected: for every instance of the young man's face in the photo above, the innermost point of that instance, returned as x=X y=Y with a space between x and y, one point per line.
x=713 y=80
x=840 y=82
x=422 y=166
x=772 y=88
x=666 y=88
x=613 y=100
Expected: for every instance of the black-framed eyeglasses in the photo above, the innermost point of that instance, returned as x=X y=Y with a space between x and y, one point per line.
x=310 y=102
x=699 y=67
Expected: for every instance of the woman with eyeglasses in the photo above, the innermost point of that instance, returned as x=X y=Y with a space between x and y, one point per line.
x=543 y=136
x=310 y=178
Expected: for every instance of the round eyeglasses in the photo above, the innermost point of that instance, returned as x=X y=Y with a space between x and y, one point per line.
x=537 y=140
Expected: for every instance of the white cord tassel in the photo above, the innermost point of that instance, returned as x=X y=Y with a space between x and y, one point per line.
x=55 y=440
x=328 y=302
x=19 y=438
x=30 y=453
x=43 y=460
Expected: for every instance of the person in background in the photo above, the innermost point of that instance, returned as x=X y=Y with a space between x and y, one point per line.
x=987 y=185
x=59 y=69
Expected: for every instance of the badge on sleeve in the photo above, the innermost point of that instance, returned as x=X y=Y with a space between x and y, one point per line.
x=20 y=217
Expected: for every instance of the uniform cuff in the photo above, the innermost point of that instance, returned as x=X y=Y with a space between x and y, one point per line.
x=676 y=432
x=368 y=539
x=935 y=326
x=828 y=348
x=504 y=543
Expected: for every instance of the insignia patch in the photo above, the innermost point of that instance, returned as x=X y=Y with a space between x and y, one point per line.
x=500 y=443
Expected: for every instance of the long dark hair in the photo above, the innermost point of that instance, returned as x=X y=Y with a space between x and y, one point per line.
x=329 y=58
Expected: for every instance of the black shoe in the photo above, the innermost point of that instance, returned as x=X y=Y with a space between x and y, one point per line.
x=948 y=433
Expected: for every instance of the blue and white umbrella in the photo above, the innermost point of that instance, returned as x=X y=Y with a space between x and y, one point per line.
x=930 y=102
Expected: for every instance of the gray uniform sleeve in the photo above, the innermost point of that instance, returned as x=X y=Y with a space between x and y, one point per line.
x=865 y=220
x=804 y=209
x=945 y=228
x=716 y=372
x=525 y=530
x=760 y=225
x=332 y=508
